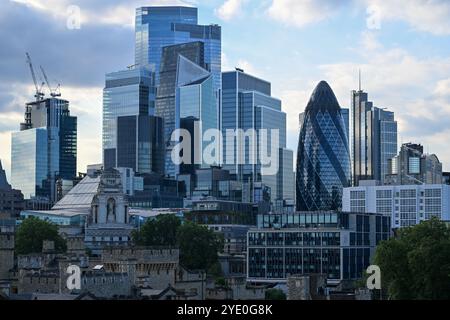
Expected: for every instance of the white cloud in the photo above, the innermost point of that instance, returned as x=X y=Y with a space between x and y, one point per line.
x=230 y=9
x=299 y=13
x=424 y=15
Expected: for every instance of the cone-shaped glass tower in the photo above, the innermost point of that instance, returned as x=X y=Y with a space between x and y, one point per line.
x=323 y=160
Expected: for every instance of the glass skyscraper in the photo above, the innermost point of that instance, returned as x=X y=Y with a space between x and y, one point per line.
x=323 y=161
x=158 y=27
x=181 y=65
x=44 y=149
x=129 y=125
x=373 y=139
x=195 y=98
x=247 y=104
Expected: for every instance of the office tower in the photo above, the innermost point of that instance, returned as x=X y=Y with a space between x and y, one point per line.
x=373 y=139
x=406 y=205
x=323 y=160
x=11 y=200
x=45 y=149
x=339 y=245
x=132 y=136
x=412 y=166
x=159 y=27
x=140 y=143
x=247 y=104
x=195 y=98
x=185 y=91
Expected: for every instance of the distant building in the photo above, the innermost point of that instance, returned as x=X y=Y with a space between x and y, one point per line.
x=406 y=205
x=179 y=63
x=7 y=236
x=373 y=136
x=44 y=149
x=340 y=245
x=11 y=200
x=247 y=104
x=412 y=166
x=158 y=27
x=132 y=135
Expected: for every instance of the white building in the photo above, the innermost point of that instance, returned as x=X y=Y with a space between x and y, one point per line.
x=408 y=205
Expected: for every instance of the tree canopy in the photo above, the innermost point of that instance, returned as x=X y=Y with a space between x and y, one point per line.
x=198 y=245
x=416 y=264
x=32 y=232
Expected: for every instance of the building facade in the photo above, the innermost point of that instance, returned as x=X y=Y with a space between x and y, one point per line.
x=406 y=205
x=132 y=135
x=11 y=200
x=412 y=166
x=158 y=27
x=323 y=160
x=373 y=133
x=45 y=149
x=337 y=244
x=247 y=105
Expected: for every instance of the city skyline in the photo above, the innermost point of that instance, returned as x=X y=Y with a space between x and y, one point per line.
x=395 y=72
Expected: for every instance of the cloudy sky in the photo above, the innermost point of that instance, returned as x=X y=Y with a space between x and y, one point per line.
x=401 y=46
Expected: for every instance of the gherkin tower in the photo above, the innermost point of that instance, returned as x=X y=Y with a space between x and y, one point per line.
x=323 y=159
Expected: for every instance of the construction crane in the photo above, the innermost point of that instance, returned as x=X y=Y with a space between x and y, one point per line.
x=53 y=92
x=39 y=94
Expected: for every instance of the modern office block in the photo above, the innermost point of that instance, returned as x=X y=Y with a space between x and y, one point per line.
x=45 y=149
x=412 y=166
x=158 y=27
x=181 y=65
x=340 y=245
x=132 y=136
x=373 y=139
x=406 y=205
x=247 y=104
x=140 y=143
x=323 y=161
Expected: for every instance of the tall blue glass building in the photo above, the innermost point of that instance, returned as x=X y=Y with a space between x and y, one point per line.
x=158 y=27
x=132 y=135
x=373 y=139
x=183 y=74
x=323 y=160
x=247 y=104
x=195 y=98
x=44 y=149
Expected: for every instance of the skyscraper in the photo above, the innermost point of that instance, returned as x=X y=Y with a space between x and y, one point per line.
x=158 y=27
x=132 y=136
x=181 y=65
x=247 y=104
x=373 y=139
x=323 y=161
x=44 y=149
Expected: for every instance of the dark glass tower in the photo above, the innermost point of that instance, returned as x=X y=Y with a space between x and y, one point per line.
x=323 y=161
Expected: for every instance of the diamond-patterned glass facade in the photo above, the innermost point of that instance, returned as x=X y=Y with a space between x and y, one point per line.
x=323 y=161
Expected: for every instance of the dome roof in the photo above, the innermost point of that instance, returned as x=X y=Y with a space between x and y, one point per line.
x=323 y=98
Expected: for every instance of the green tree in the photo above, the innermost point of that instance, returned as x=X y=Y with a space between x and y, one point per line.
x=159 y=232
x=199 y=246
x=275 y=294
x=33 y=231
x=416 y=264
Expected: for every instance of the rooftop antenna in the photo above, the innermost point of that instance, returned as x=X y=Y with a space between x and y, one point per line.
x=359 y=80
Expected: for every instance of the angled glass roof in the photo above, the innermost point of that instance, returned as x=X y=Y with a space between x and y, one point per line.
x=81 y=195
x=188 y=72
